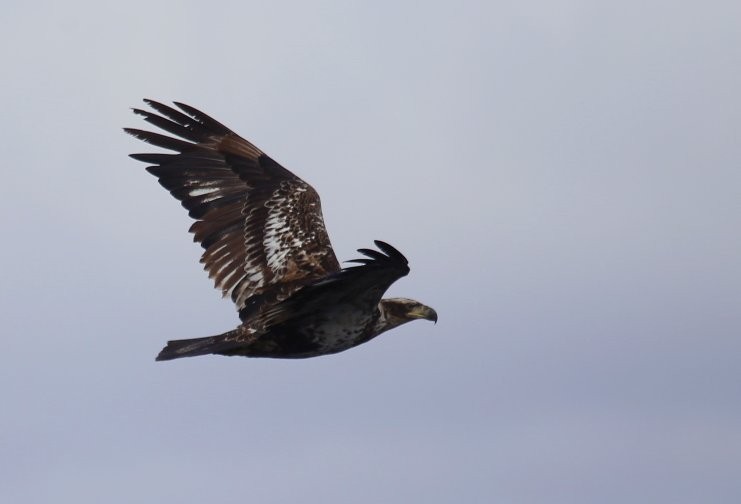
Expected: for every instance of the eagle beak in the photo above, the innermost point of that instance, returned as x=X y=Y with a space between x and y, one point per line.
x=424 y=312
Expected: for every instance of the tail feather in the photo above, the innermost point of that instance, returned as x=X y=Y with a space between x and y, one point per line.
x=176 y=349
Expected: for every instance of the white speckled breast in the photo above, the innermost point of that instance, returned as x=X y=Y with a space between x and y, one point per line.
x=346 y=328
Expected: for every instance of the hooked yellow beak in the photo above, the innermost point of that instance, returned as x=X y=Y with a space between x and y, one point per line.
x=423 y=312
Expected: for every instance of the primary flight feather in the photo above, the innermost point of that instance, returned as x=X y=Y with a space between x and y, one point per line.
x=267 y=248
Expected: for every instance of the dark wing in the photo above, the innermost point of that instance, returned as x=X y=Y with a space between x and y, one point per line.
x=260 y=225
x=361 y=286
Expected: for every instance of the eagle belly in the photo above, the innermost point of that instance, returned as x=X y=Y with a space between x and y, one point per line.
x=338 y=330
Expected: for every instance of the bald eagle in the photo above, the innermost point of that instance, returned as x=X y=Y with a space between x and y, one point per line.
x=267 y=248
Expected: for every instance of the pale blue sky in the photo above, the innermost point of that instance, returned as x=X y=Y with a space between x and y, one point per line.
x=563 y=177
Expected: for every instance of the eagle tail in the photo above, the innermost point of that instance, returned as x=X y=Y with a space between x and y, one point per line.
x=176 y=349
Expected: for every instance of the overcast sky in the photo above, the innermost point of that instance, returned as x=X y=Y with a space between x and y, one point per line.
x=562 y=175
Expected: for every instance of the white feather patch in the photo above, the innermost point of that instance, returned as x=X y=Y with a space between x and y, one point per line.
x=280 y=237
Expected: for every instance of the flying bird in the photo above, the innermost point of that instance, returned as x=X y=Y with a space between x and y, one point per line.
x=266 y=247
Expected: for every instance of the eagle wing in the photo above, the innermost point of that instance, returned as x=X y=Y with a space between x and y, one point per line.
x=361 y=286
x=261 y=226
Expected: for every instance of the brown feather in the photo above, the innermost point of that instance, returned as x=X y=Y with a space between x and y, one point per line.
x=260 y=225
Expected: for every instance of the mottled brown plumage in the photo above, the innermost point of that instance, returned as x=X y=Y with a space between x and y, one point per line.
x=267 y=248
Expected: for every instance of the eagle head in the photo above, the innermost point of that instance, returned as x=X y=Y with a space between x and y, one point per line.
x=397 y=311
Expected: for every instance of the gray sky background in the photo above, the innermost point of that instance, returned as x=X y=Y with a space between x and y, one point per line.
x=563 y=176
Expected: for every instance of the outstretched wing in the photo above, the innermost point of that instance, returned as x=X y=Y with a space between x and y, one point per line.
x=260 y=225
